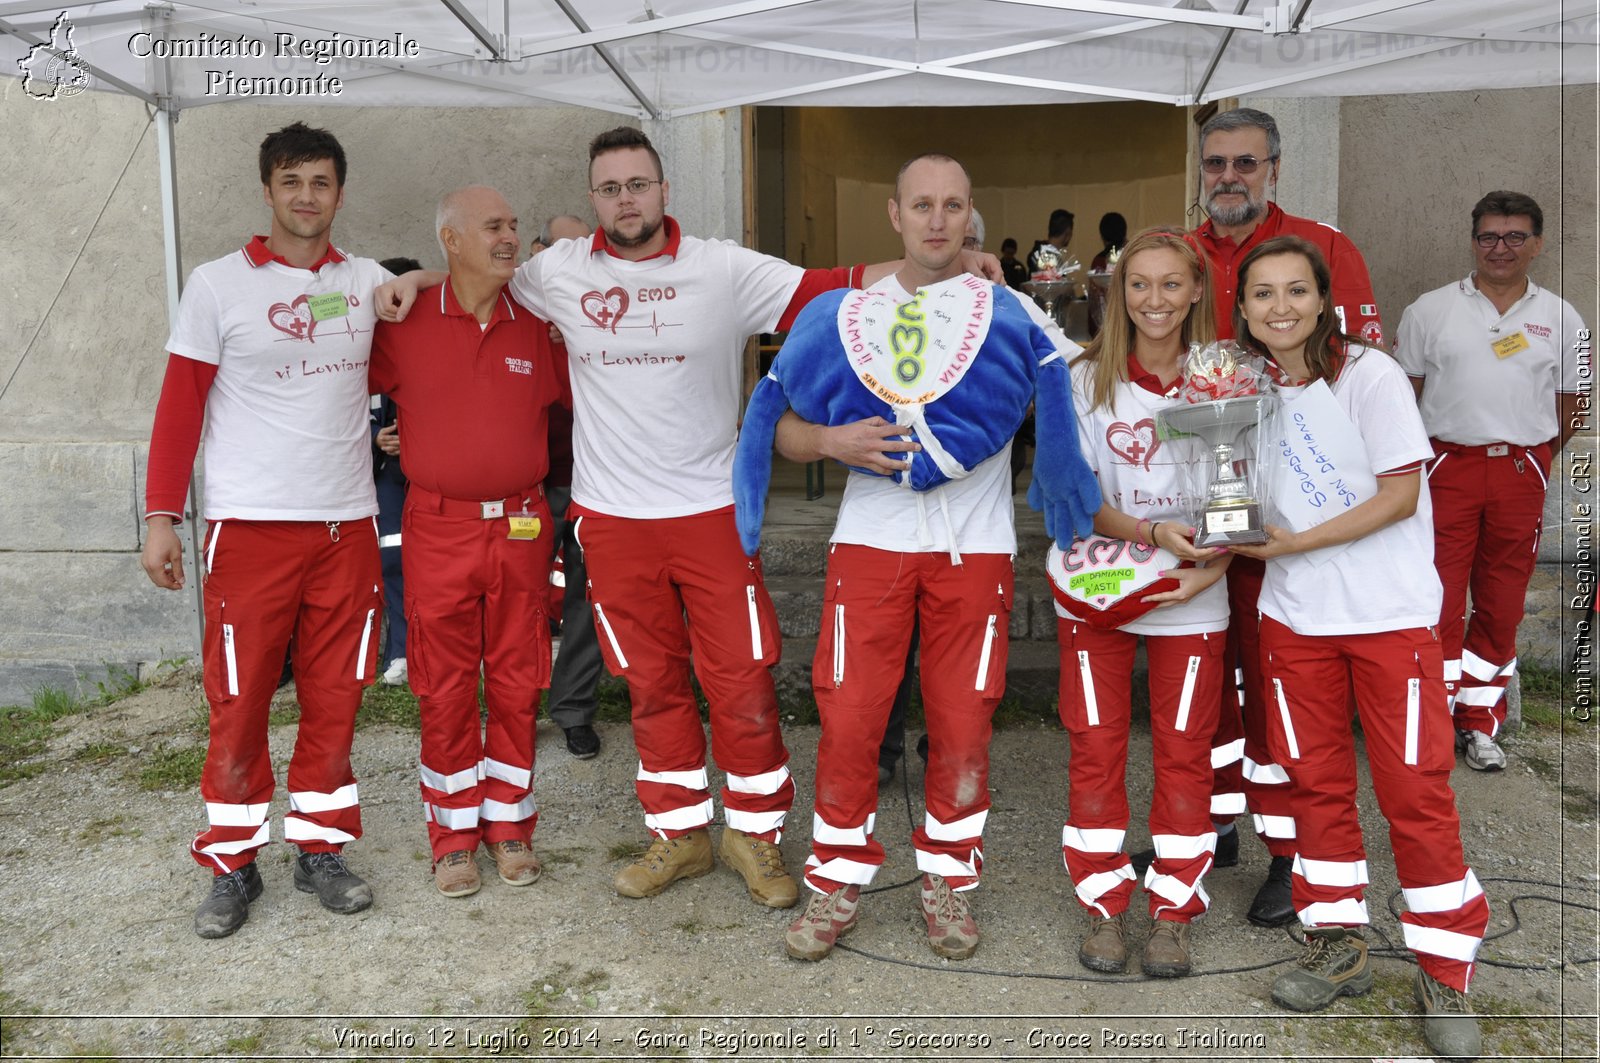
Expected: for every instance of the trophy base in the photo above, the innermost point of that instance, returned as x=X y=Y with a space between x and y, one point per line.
x=1231 y=525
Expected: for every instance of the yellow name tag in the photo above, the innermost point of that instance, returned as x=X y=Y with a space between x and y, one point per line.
x=1509 y=345
x=523 y=527
x=333 y=304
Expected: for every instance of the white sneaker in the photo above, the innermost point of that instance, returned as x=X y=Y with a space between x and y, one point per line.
x=395 y=676
x=1480 y=751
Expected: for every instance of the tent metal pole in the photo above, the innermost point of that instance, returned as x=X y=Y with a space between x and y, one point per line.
x=157 y=19
x=1216 y=56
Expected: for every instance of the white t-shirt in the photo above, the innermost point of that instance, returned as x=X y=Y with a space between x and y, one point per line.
x=655 y=349
x=878 y=512
x=286 y=433
x=1384 y=581
x=1475 y=395
x=1148 y=479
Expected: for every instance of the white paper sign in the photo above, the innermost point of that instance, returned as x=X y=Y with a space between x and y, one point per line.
x=1319 y=464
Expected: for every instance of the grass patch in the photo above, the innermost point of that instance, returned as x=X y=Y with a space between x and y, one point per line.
x=389 y=706
x=572 y=856
x=626 y=850
x=243 y=1046
x=100 y=752
x=101 y=829
x=172 y=768
x=24 y=730
x=562 y=988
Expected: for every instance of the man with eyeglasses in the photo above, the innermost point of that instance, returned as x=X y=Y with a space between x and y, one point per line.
x=655 y=321
x=1494 y=359
x=1239 y=165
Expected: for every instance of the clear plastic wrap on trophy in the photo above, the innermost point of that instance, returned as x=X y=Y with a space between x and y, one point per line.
x=1226 y=398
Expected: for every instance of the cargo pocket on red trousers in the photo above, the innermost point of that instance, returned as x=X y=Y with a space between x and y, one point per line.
x=418 y=676
x=827 y=667
x=994 y=649
x=766 y=640
x=1428 y=740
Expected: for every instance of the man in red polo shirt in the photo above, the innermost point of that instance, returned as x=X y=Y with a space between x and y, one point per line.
x=1239 y=163
x=471 y=373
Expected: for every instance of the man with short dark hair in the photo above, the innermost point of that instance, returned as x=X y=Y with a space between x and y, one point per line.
x=1059 y=235
x=1240 y=159
x=1015 y=271
x=269 y=353
x=1494 y=359
x=655 y=321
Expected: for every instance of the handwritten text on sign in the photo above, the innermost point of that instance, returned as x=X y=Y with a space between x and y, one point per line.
x=1319 y=463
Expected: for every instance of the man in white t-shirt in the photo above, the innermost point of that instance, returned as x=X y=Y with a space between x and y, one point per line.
x=1494 y=360
x=654 y=321
x=940 y=558
x=269 y=353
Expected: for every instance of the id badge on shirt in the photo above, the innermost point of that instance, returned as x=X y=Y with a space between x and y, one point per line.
x=1506 y=346
x=524 y=525
x=328 y=305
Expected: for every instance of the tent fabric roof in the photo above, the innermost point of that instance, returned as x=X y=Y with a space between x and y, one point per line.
x=661 y=58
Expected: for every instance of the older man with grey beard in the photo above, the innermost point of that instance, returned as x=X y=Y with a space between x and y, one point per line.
x=1240 y=158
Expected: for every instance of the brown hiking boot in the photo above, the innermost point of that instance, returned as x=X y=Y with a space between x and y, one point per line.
x=1106 y=947
x=1448 y=1024
x=455 y=874
x=761 y=865
x=665 y=862
x=515 y=863
x=1334 y=965
x=827 y=918
x=1166 y=951
x=952 y=932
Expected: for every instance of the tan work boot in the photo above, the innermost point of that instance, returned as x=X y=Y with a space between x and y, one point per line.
x=1334 y=965
x=827 y=918
x=952 y=932
x=1106 y=946
x=515 y=863
x=665 y=862
x=455 y=874
x=1166 y=951
x=760 y=863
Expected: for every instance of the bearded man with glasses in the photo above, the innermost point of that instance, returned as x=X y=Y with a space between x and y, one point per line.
x=1495 y=362
x=1239 y=165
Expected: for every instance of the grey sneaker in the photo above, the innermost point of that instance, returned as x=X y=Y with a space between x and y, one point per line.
x=1447 y=1020
x=228 y=905
x=1480 y=751
x=338 y=888
x=1334 y=965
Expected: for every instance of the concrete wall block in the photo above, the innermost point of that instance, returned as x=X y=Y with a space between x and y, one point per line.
x=90 y=608
x=71 y=496
x=1550 y=620
x=21 y=679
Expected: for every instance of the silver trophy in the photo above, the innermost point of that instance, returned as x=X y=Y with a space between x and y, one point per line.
x=1223 y=403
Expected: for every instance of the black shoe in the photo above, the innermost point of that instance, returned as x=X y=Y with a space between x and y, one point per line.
x=337 y=887
x=583 y=741
x=1227 y=854
x=228 y=906
x=922 y=747
x=885 y=772
x=1274 y=904
x=1141 y=861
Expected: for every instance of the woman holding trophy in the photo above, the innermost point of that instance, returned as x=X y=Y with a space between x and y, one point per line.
x=1349 y=599
x=1140 y=574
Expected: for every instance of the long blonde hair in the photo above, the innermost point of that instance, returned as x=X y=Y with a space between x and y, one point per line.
x=1108 y=352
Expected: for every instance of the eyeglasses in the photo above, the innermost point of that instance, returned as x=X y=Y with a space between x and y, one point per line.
x=1488 y=240
x=970 y=243
x=611 y=189
x=1242 y=164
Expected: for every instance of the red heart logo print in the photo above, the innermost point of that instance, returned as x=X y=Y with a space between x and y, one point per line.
x=294 y=319
x=1136 y=442
x=605 y=310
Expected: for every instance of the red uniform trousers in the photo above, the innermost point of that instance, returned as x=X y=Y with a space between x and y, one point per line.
x=1247 y=775
x=475 y=596
x=664 y=590
x=1398 y=681
x=1096 y=709
x=964 y=611
x=265 y=583
x=1488 y=508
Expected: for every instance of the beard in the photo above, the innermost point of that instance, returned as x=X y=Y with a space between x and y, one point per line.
x=1251 y=209
x=647 y=230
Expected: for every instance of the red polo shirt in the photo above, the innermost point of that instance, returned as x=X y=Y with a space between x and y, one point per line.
x=1351 y=292
x=473 y=401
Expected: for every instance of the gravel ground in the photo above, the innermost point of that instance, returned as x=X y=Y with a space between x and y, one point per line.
x=98 y=958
